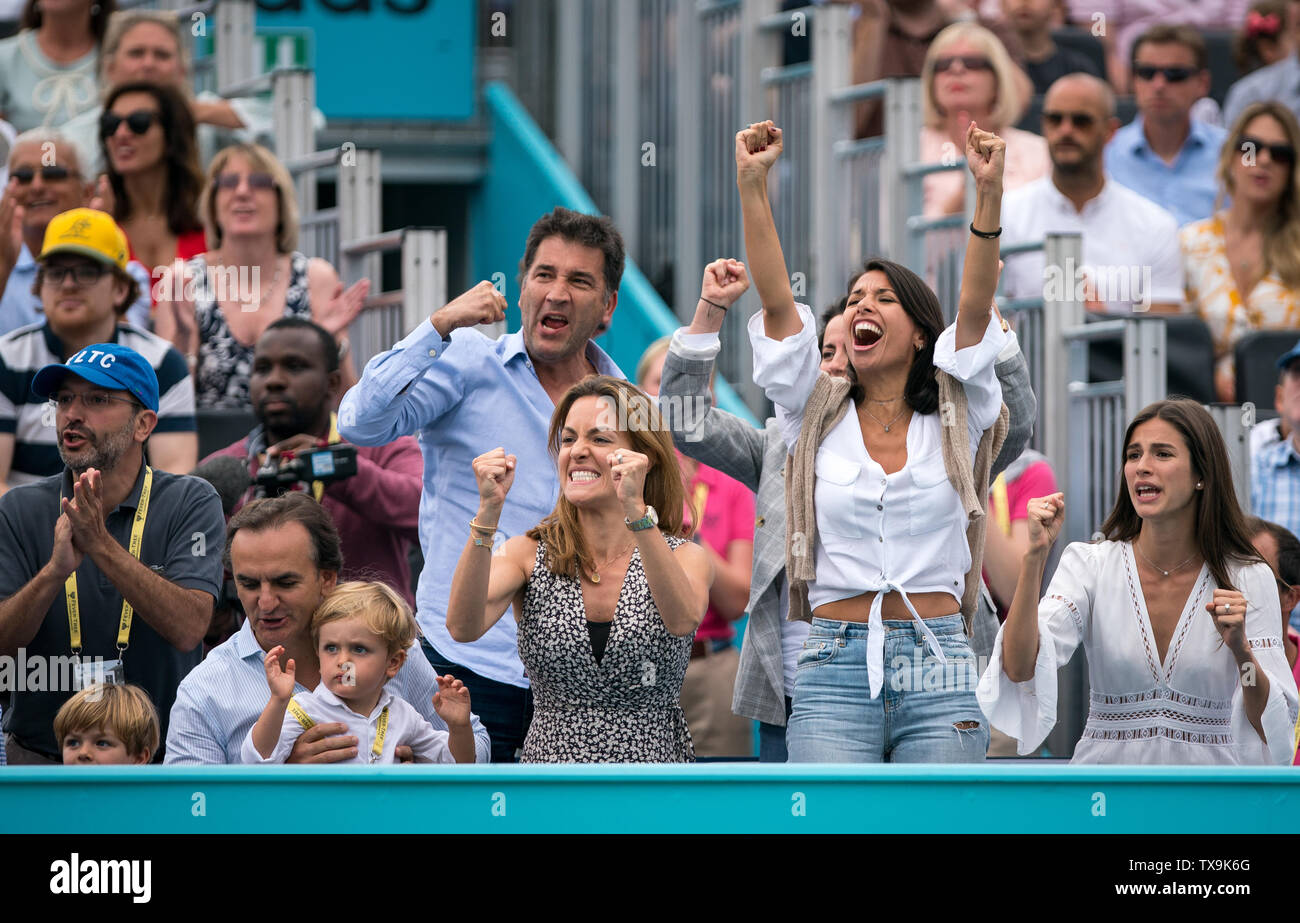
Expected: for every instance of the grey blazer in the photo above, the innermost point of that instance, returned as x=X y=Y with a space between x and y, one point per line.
x=756 y=458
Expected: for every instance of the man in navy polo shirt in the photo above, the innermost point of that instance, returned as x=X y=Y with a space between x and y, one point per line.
x=144 y=547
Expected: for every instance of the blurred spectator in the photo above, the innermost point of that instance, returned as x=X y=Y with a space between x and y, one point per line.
x=7 y=137
x=891 y=39
x=147 y=140
x=1263 y=38
x=1275 y=470
x=294 y=385
x=43 y=187
x=970 y=78
x=1243 y=264
x=48 y=70
x=1267 y=432
x=1278 y=81
x=1045 y=61
x=1281 y=549
x=251 y=276
x=1130 y=250
x=1118 y=23
x=1007 y=540
x=148 y=45
x=84 y=287
x=722 y=510
x=69 y=585
x=1164 y=153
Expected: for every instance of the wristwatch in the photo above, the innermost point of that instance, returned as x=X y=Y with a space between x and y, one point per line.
x=648 y=521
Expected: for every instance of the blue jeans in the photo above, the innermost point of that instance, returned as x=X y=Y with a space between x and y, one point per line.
x=771 y=739
x=505 y=710
x=925 y=713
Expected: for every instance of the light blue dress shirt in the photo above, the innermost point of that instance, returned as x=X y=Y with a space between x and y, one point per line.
x=1279 y=80
x=19 y=307
x=220 y=701
x=463 y=397
x=1188 y=188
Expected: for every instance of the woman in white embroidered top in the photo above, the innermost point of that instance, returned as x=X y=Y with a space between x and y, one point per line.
x=877 y=550
x=1177 y=612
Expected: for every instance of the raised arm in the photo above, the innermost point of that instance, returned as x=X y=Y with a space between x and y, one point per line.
x=484 y=584
x=757 y=148
x=985 y=153
x=703 y=432
x=1020 y=631
x=416 y=382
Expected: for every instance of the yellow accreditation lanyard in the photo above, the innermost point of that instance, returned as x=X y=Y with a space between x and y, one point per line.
x=70 y=585
x=699 y=499
x=381 y=727
x=317 y=488
x=1001 y=505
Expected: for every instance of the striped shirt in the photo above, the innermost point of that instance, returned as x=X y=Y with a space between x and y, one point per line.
x=27 y=350
x=1275 y=485
x=218 y=703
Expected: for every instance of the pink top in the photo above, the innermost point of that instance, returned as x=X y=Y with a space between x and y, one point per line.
x=728 y=517
x=1026 y=161
x=1035 y=481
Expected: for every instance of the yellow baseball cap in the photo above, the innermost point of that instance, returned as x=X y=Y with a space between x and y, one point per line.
x=87 y=232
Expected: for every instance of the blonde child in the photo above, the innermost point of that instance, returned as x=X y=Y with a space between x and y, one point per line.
x=107 y=724
x=361 y=634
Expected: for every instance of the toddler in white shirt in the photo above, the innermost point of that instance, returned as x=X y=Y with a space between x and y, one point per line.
x=361 y=634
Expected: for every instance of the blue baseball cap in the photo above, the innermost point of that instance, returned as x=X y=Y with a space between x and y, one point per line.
x=107 y=365
x=1289 y=356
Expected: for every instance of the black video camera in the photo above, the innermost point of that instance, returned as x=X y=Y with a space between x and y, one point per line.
x=333 y=463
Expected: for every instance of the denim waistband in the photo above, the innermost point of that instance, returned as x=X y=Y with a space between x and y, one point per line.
x=943 y=625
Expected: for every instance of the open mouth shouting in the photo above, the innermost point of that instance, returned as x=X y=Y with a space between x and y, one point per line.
x=554 y=322
x=866 y=334
x=1145 y=492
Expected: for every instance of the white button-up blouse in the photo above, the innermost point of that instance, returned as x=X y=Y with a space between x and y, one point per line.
x=904 y=531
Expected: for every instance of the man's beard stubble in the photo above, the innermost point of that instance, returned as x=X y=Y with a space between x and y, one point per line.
x=102 y=452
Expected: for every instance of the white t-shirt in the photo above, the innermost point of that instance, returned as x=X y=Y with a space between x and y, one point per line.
x=1130 y=245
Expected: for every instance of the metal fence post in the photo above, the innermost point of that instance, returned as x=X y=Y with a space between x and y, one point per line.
x=569 y=121
x=293 y=95
x=1145 y=363
x=902 y=148
x=360 y=203
x=832 y=55
x=689 y=162
x=236 y=44
x=1063 y=253
x=1234 y=423
x=424 y=273
x=625 y=173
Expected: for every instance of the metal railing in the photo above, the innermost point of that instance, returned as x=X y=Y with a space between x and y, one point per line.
x=389 y=315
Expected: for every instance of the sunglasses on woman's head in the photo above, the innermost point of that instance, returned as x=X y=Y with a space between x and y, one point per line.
x=49 y=173
x=1077 y=119
x=1172 y=74
x=255 y=181
x=1281 y=153
x=972 y=62
x=138 y=121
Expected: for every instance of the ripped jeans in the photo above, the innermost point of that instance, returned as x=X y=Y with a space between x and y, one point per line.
x=926 y=712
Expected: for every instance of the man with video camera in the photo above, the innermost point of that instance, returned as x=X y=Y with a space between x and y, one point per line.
x=372 y=493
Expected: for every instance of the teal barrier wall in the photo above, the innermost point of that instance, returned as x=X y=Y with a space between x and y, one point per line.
x=526 y=178
x=718 y=798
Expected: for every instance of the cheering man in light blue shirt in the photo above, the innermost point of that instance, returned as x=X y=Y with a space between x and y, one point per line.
x=464 y=394
x=1164 y=153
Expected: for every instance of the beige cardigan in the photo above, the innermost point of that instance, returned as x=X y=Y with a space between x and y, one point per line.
x=826 y=405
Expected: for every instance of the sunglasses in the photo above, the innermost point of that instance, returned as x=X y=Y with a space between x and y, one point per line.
x=83 y=274
x=1280 y=153
x=138 y=121
x=1171 y=74
x=255 y=181
x=1077 y=119
x=971 y=62
x=50 y=174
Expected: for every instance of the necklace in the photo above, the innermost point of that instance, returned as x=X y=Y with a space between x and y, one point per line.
x=1163 y=572
x=882 y=422
x=594 y=576
x=888 y=400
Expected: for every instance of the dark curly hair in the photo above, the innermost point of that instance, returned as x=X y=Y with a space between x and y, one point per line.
x=180 y=151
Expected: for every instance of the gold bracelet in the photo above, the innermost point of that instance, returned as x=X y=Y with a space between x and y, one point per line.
x=475 y=526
